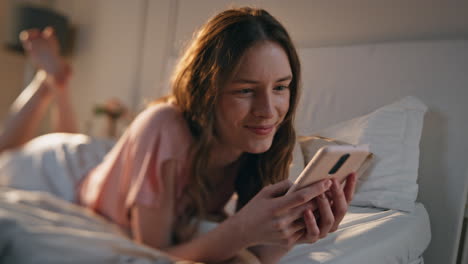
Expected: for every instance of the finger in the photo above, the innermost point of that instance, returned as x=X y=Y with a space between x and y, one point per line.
x=327 y=218
x=312 y=228
x=340 y=204
x=296 y=238
x=350 y=187
x=298 y=212
x=293 y=228
x=286 y=233
x=302 y=196
x=277 y=189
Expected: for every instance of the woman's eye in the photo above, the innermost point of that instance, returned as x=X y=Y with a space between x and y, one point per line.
x=244 y=91
x=281 y=87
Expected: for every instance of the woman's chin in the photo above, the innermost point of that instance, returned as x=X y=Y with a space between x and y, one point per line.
x=259 y=148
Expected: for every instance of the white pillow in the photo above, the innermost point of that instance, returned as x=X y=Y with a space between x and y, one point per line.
x=393 y=133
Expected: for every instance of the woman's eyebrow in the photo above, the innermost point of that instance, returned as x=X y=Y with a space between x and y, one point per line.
x=243 y=80
x=287 y=78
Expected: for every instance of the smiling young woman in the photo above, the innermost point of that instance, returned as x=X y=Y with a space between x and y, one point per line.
x=226 y=127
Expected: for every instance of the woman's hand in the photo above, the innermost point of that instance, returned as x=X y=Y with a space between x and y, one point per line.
x=270 y=217
x=331 y=211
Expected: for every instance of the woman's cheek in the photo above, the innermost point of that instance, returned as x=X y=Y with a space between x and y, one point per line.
x=236 y=111
x=241 y=107
x=283 y=104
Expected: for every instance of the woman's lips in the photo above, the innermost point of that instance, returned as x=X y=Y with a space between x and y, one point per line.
x=261 y=130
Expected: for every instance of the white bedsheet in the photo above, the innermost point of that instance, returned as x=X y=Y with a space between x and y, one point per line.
x=369 y=235
x=39 y=228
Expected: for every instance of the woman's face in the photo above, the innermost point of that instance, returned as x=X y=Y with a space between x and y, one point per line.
x=255 y=100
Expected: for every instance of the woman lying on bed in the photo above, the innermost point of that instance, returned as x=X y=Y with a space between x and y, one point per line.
x=226 y=127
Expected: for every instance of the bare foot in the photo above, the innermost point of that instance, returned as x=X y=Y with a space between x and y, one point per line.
x=44 y=50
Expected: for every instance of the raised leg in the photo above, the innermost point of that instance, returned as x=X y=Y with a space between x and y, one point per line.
x=49 y=83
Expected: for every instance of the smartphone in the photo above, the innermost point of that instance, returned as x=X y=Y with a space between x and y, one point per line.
x=336 y=161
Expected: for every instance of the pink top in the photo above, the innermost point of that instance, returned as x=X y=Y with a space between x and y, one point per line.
x=131 y=172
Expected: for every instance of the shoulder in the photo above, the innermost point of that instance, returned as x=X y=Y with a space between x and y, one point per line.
x=161 y=117
x=161 y=113
x=164 y=122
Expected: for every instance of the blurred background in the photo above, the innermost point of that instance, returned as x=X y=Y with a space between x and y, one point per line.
x=125 y=50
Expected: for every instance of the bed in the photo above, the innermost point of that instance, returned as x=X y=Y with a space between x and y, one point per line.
x=406 y=238
x=37 y=227
x=361 y=79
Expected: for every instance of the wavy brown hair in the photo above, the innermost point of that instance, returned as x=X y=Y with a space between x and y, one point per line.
x=205 y=67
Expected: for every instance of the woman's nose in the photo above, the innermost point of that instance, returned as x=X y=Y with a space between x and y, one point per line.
x=263 y=106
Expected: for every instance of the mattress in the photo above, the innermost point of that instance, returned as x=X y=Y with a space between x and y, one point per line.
x=369 y=235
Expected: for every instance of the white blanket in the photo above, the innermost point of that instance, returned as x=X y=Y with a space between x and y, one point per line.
x=44 y=227
x=37 y=227
x=368 y=235
x=40 y=228
x=52 y=163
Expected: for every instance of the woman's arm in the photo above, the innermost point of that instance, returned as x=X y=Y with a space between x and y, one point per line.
x=154 y=227
x=269 y=254
x=267 y=219
x=220 y=245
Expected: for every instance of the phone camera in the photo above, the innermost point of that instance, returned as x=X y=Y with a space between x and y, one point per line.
x=339 y=163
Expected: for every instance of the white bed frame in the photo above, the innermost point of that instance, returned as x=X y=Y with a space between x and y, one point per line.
x=363 y=78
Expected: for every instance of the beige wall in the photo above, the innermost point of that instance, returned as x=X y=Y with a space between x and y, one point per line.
x=106 y=60
x=311 y=23
x=11 y=66
x=106 y=56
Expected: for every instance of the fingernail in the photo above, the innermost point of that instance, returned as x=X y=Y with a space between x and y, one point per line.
x=328 y=183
